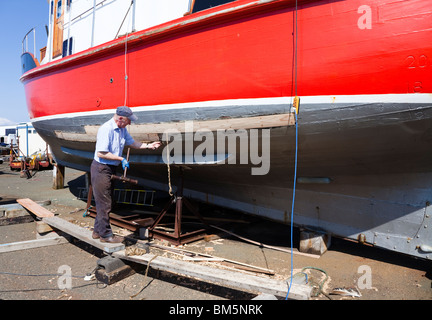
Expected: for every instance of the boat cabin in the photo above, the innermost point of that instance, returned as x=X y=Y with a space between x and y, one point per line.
x=77 y=25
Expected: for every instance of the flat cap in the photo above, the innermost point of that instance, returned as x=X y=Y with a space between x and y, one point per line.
x=126 y=112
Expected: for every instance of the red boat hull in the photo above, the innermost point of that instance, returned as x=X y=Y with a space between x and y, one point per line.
x=248 y=53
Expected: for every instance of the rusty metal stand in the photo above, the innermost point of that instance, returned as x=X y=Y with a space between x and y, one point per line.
x=177 y=238
x=131 y=222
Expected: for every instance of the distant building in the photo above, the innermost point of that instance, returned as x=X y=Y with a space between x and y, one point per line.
x=29 y=140
x=8 y=134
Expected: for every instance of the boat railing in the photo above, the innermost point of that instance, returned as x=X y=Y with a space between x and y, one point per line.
x=92 y=10
x=25 y=45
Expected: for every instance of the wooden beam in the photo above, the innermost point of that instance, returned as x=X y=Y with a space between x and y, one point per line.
x=58 y=177
x=14 y=213
x=260 y=244
x=16 y=207
x=14 y=210
x=194 y=256
x=82 y=234
x=221 y=277
x=68 y=227
x=30 y=244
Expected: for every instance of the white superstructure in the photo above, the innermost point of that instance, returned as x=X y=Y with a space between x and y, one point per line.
x=77 y=25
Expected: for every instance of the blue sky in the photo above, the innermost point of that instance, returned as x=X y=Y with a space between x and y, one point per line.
x=17 y=17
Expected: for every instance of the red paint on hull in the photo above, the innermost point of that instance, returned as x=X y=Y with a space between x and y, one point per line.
x=248 y=53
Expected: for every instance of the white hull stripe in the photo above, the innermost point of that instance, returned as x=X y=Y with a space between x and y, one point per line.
x=417 y=98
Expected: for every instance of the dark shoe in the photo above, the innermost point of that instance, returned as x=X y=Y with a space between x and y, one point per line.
x=95 y=235
x=112 y=239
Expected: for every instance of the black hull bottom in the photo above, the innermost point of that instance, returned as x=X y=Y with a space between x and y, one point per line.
x=364 y=170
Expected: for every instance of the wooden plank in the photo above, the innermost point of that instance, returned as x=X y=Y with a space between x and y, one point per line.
x=221 y=277
x=15 y=213
x=36 y=209
x=150 y=131
x=195 y=255
x=82 y=234
x=271 y=121
x=68 y=227
x=17 y=206
x=199 y=259
x=30 y=244
x=294 y=251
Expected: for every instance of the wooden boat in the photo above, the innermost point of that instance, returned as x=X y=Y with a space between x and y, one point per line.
x=216 y=81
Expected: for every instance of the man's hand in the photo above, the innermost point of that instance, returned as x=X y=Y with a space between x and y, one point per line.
x=125 y=163
x=143 y=145
x=154 y=145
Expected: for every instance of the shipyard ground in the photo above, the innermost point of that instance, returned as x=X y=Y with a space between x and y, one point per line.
x=392 y=276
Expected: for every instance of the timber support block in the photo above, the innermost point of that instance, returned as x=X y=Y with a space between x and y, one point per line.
x=314 y=242
x=58 y=177
x=111 y=270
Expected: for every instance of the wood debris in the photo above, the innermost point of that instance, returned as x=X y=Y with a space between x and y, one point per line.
x=351 y=292
x=135 y=251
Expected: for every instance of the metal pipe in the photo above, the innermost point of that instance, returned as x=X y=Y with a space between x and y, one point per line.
x=133 y=15
x=69 y=25
x=93 y=24
x=51 y=28
x=34 y=42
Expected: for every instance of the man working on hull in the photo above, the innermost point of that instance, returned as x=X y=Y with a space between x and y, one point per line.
x=111 y=138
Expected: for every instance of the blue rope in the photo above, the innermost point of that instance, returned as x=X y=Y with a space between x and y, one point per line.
x=292 y=207
x=85 y=214
x=296 y=144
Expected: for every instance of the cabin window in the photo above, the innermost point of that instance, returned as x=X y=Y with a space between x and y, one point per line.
x=69 y=2
x=59 y=9
x=200 y=5
x=65 y=51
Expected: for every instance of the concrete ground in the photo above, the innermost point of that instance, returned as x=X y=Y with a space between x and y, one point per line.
x=32 y=274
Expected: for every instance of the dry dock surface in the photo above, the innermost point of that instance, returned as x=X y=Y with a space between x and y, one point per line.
x=32 y=274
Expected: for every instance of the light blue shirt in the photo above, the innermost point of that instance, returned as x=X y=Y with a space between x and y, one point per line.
x=111 y=138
